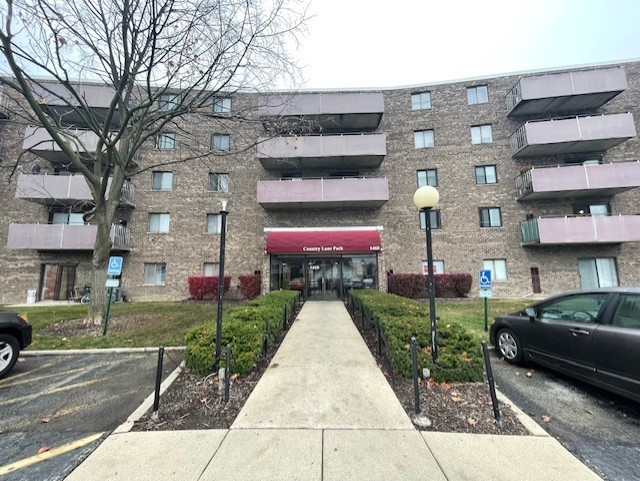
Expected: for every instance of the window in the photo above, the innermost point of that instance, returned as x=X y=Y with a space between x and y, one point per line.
x=428 y=177
x=210 y=269
x=218 y=182
x=435 y=219
x=71 y=218
x=162 y=181
x=490 y=217
x=220 y=142
x=597 y=208
x=423 y=138
x=214 y=223
x=498 y=268
x=168 y=101
x=575 y=308
x=155 y=274
x=486 y=174
x=481 y=134
x=166 y=141
x=597 y=272
x=221 y=105
x=627 y=312
x=438 y=267
x=421 y=101
x=159 y=223
x=477 y=95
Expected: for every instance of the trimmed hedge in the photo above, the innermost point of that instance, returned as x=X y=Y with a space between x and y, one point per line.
x=415 y=285
x=245 y=328
x=459 y=355
x=206 y=286
x=250 y=286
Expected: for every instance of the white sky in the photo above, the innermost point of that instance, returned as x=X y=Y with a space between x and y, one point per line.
x=371 y=43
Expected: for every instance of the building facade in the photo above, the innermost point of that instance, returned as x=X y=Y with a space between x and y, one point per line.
x=537 y=175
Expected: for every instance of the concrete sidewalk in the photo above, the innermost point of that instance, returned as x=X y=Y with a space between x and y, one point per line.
x=324 y=411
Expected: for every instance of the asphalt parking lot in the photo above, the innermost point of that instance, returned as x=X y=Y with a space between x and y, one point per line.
x=599 y=428
x=64 y=405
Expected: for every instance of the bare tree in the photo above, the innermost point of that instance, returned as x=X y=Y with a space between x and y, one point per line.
x=160 y=60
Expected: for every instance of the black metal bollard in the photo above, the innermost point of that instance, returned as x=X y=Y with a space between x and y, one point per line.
x=492 y=386
x=362 y=318
x=416 y=388
x=285 y=318
x=227 y=374
x=265 y=342
x=379 y=333
x=156 y=397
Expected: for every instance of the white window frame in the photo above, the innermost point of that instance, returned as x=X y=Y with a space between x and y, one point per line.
x=438 y=267
x=498 y=268
x=423 y=177
x=603 y=272
x=436 y=220
x=220 y=142
x=168 y=101
x=165 y=180
x=214 y=228
x=472 y=95
x=484 y=173
x=421 y=101
x=211 y=269
x=155 y=273
x=222 y=105
x=424 y=139
x=166 y=141
x=159 y=222
x=495 y=215
x=481 y=134
x=221 y=182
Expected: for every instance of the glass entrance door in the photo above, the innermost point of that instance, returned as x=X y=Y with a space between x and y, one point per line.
x=324 y=278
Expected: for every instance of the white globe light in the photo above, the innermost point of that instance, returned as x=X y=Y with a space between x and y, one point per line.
x=426 y=197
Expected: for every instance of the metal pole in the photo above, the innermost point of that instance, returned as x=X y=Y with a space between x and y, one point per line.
x=106 y=317
x=486 y=315
x=156 y=397
x=227 y=372
x=492 y=385
x=223 y=235
x=416 y=389
x=432 y=294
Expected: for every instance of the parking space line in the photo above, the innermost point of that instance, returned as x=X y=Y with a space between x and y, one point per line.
x=52 y=391
x=23 y=463
x=44 y=376
x=23 y=374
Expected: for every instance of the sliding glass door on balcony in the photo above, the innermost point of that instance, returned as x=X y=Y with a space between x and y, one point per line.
x=597 y=272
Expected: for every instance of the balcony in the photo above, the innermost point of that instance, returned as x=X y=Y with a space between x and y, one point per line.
x=38 y=141
x=323 y=193
x=565 y=92
x=65 y=237
x=60 y=104
x=570 y=230
x=576 y=181
x=64 y=189
x=354 y=151
x=572 y=135
x=322 y=112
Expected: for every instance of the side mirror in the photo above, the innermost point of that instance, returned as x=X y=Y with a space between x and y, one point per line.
x=531 y=312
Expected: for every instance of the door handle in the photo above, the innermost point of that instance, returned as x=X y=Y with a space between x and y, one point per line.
x=579 y=332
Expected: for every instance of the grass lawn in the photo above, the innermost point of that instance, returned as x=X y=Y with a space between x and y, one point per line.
x=166 y=323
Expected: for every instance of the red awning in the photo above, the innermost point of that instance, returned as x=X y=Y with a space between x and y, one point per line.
x=323 y=242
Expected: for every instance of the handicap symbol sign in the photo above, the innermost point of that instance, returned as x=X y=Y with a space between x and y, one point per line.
x=485 y=279
x=115 y=266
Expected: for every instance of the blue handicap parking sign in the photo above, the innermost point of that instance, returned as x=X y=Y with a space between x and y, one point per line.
x=485 y=279
x=115 y=266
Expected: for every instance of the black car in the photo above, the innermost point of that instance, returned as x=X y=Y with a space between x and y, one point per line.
x=15 y=334
x=590 y=335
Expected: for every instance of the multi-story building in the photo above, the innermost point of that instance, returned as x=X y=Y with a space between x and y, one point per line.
x=537 y=175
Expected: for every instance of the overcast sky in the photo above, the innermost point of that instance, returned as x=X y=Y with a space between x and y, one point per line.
x=370 y=43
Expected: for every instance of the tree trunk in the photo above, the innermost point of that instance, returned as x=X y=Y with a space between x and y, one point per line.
x=100 y=259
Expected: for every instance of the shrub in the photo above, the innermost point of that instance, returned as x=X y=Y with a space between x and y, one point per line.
x=250 y=286
x=415 y=285
x=245 y=328
x=459 y=356
x=201 y=287
x=407 y=285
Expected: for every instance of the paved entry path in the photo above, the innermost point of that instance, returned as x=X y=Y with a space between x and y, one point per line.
x=323 y=377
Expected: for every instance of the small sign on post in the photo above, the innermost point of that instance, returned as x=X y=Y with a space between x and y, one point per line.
x=484 y=282
x=115 y=266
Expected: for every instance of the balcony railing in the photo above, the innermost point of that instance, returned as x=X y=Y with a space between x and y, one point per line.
x=572 y=135
x=38 y=141
x=565 y=92
x=64 y=189
x=353 y=151
x=582 y=229
x=4 y=104
x=67 y=237
x=323 y=193
x=574 y=181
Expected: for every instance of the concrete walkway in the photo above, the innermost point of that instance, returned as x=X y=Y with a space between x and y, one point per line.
x=323 y=411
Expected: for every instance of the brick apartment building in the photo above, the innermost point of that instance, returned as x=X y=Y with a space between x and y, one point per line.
x=537 y=175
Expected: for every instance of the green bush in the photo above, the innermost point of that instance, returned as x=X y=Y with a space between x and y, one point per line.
x=459 y=355
x=245 y=328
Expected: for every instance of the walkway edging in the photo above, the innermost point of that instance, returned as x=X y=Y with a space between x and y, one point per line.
x=114 y=350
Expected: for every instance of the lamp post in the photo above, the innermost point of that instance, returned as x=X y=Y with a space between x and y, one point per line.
x=425 y=199
x=223 y=236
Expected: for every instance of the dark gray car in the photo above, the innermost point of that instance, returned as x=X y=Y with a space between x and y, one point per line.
x=591 y=335
x=15 y=334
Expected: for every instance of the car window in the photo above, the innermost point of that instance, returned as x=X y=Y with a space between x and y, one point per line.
x=577 y=308
x=627 y=312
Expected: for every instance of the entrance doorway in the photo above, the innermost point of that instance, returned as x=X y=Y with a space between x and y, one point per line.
x=324 y=278
x=58 y=281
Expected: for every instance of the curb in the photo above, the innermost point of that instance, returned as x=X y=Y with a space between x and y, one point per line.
x=147 y=404
x=529 y=424
x=115 y=350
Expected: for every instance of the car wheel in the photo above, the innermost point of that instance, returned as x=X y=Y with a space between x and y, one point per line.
x=9 y=351
x=509 y=346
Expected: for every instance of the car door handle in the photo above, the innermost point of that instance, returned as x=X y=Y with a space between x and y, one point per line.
x=579 y=332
